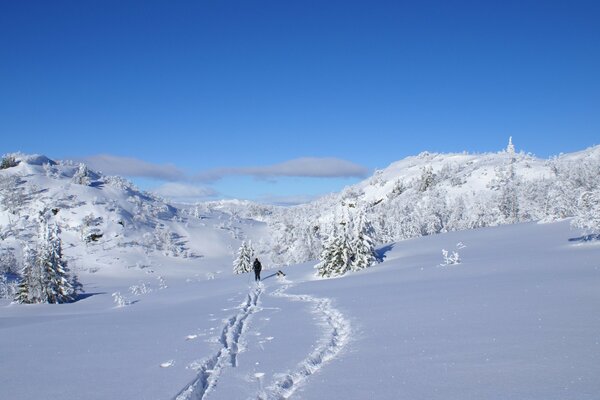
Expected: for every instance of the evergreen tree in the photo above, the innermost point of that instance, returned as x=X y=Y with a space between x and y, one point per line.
x=336 y=258
x=82 y=175
x=363 y=247
x=29 y=286
x=45 y=277
x=243 y=262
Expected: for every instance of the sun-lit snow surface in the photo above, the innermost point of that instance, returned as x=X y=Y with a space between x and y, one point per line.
x=518 y=318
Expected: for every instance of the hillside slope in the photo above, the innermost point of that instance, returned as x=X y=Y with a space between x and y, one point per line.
x=517 y=318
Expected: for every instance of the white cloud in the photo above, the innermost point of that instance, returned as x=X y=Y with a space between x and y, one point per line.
x=311 y=167
x=182 y=192
x=291 y=200
x=127 y=166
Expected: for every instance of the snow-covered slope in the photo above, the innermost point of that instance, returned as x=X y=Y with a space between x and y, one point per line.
x=108 y=226
x=516 y=319
x=432 y=193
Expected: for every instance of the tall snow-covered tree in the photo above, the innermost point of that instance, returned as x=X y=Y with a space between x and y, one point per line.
x=45 y=277
x=30 y=286
x=243 y=262
x=336 y=258
x=362 y=246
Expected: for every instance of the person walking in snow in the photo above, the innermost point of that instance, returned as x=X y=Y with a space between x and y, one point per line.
x=257 y=268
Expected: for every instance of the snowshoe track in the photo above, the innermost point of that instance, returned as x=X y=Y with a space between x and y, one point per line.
x=336 y=336
x=210 y=370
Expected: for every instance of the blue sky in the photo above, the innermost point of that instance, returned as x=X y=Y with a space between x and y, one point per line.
x=243 y=98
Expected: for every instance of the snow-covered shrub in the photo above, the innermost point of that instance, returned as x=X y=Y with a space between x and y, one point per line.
x=119 y=300
x=587 y=216
x=89 y=229
x=140 y=289
x=450 y=259
x=161 y=283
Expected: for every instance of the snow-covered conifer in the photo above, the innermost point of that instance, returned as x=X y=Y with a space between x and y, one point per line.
x=45 y=277
x=510 y=149
x=243 y=262
x=82 y=175
x=336 y=257
x=363 y=247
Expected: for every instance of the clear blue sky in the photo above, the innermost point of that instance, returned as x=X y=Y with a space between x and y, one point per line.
x=236 y=90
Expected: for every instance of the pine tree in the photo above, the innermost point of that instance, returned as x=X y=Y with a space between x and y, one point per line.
x=243 y=262
x=45 y=277
x=28 y=289
x=363 y=247
x=336 y=258
x=82 y=175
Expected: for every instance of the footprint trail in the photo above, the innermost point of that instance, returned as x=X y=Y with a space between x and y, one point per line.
x=210 y=370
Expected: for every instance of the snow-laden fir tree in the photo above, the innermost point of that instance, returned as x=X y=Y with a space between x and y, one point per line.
x=45 y=277
x=245 y=258
x=29 y=288
x=336 y=258
x=82 y=175
x=362 y=246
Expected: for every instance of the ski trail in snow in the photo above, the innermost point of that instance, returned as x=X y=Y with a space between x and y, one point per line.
x=335 y=337
x=210 y=370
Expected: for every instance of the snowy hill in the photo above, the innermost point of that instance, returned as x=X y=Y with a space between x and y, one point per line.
x=108 y=226
x=516 y=319
x=433 y=193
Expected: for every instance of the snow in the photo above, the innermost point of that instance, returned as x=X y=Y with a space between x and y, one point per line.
x=517 y=318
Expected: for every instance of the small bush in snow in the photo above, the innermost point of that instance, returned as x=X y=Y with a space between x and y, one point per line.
x=161 y=283
x=140 y=289
x=450 y=259
x=119 y=300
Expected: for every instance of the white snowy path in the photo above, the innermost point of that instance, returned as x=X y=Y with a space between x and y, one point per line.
x=263 y=355
x=210 y=370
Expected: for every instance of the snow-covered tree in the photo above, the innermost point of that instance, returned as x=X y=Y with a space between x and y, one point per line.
x=30 y=287
x=588 y=212
x=8 y=161
x=362 y=246
x=45 y=276
x=82 y=175
x=336 y=258
x=244 y=259
x=12 y=194
x=427 y=179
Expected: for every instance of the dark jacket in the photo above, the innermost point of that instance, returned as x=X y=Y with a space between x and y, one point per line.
x=257 y=265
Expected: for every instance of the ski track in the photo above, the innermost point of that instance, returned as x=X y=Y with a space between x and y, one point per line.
x=336 y=336
x=210 y=370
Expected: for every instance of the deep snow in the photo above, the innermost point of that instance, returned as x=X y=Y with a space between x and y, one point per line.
x=518 y=318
